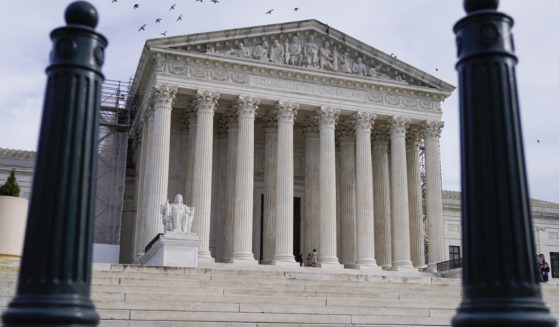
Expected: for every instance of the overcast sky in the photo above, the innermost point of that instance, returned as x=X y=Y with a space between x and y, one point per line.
x=419 y=32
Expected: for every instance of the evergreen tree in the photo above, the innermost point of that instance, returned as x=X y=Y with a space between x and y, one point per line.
x=10 y=188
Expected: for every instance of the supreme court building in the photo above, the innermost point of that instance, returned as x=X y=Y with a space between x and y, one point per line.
x=286 y=138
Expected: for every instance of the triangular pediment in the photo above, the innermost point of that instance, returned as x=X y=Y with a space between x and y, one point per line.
x=307 y=44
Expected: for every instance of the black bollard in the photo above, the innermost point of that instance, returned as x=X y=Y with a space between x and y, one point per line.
x=500 y=284
x=54 y=279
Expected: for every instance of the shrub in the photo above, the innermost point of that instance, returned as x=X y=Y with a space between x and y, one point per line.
x=10 y=188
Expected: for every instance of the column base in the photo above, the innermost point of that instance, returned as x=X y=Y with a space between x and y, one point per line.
x=267 y=262
x=331 y=266
x=285 y=263
x=244 y=262
x=431 y=267
x=386 y=267
x=369 y=267
x=244 y=258
x=406 y=269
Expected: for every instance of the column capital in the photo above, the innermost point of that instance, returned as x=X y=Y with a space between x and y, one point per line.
x=381 y=133
x=205 y=101
x=363 y=121
x=398 y=125
x=413 y=136
x=327 y=116
x=310 y=127
x=164 y=93
x=344 y=130
x=286 y=111
x=432 y=128
x=246 y=106
x=270 y=120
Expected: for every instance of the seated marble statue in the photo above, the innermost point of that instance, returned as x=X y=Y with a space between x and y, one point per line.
x=177 y=216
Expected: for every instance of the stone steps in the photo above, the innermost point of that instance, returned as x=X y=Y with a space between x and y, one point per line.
x=218 y=295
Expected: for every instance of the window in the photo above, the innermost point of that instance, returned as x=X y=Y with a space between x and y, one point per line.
x=554 y=265
x=454 y=252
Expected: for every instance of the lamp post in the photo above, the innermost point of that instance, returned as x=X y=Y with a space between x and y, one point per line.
x=54 y=279
x=500 y=283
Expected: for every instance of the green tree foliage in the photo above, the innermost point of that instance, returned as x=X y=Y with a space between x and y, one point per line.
x=10 y=188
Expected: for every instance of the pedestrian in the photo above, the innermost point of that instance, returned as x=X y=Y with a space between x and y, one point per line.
x=544 y=268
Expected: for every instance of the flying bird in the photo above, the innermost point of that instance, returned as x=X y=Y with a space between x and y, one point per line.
x=215 y=1
x=142 y=28
x=269 y=12
x=172 y=7
x=538 y=141
x=164 y=33
x=180 y=18
x=436 y=69
x=158 y=20
x=200 y=0
x=114 y=1
x=296 y=9
x=136 y=6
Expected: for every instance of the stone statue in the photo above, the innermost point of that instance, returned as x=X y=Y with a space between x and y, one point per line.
x=293 y=52
x=277 y=52
x=211 y=50
x=359 y=68
x=310 y=52
x=242 y=51
x=261 y=51
x=399 y=78
x=335 y=56
x=372 y=71
x=177 y=216
x=325 y=57
x=344 y=66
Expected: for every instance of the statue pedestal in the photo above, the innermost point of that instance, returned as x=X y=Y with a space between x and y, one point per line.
x=172 y=249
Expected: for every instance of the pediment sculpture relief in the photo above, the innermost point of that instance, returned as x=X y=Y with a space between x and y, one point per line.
x=311 y=52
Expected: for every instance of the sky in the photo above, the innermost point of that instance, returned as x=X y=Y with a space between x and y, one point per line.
x=418 y=32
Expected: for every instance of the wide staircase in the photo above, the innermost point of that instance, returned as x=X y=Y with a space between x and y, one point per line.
x=222 y=295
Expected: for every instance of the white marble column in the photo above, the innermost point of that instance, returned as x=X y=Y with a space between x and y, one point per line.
x=312 y=187
x=417 y=249
x=381 y=190
x=204 y=104
x=270 y=176
x=399 y=195
x=347 y=240
x=145 y=183
x=230 y=171
x=190 y=118
x=283 y=255
x=244 y=180
x=140 y=193
x=365 y=224
x=158 y=157
x=221 y=146
x=433 y=193
x=327 y=124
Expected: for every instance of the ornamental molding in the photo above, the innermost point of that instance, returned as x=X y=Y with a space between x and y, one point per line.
x=310 y=84
x=398 y=125
x=327 y=116
x=164 y=94
x=205 y=101
x=413 y=136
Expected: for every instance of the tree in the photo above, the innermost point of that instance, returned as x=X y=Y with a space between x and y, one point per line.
x=10 y=188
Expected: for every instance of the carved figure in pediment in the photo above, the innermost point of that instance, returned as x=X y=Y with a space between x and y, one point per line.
x=293 y=52
x=344 y=64
x=359 y=68
x=372 y=70
x=310 y=52
x=277 y=52
x=261 y=51
x=399 y=77
x=335 y=56
x=242 y=51
x=325 y=57
x=211 y=50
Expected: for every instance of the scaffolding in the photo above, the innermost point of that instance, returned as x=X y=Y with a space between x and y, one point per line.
x=112 y=147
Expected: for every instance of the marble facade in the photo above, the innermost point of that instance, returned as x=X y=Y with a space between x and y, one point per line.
x=285 y=138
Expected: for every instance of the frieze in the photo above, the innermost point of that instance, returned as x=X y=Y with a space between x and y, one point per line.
x=240 y=77
x=308 y=50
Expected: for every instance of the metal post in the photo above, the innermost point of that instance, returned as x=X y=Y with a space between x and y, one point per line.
x=500 y=284
x=54 y=280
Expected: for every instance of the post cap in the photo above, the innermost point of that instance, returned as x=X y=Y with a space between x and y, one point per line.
x=475 y=5
x=81 y=13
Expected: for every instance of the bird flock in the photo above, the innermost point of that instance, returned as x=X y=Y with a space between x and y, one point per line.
x=178 y=16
